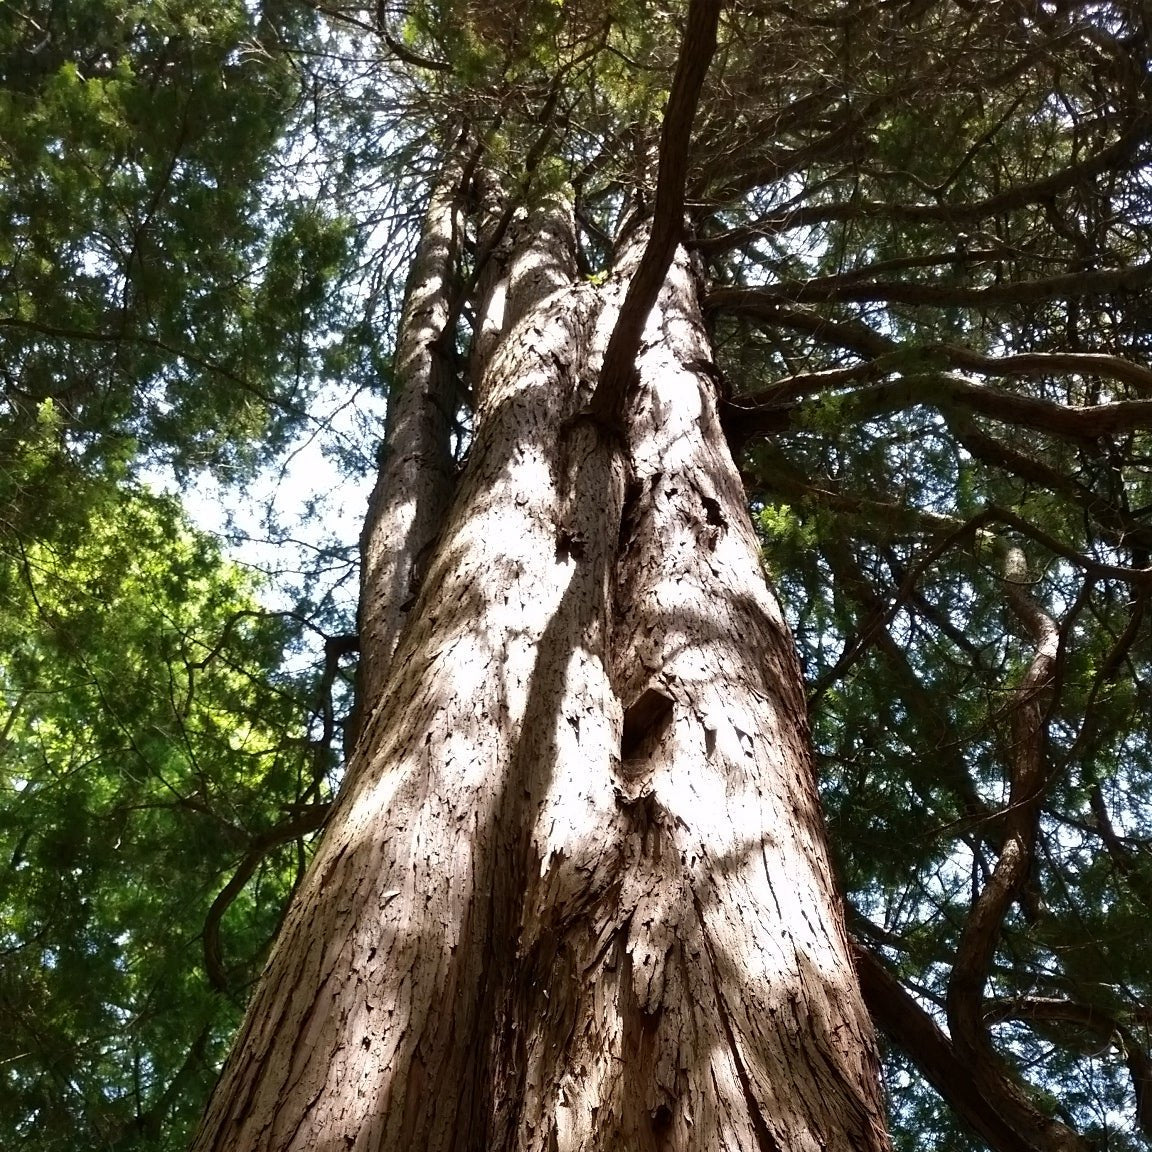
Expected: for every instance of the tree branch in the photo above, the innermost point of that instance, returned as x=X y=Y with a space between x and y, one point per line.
x=782 y=479
x=614 y=386
x=1021 y=196
x=1101 y=1025
x=409 y=57
x=917 y=1035
x=1028 y=779
x=96 y=337
x=1048 y=364
x=283 y=833
x=757 y=413
x=845 y=289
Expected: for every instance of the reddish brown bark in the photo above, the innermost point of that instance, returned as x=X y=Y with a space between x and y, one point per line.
x=414 y=482
x=574 y=894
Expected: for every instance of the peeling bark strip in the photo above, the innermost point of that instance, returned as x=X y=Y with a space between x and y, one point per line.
x=574 y=895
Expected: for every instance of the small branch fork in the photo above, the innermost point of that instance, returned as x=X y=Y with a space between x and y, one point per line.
x=306 y=817
x=285 y=832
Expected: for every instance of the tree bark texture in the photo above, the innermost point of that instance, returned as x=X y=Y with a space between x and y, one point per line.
x=574 y=894
x=414 y=483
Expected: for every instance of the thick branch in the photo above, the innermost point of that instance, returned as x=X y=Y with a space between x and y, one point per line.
x=1099 y=1025
x=1118 y=527
x=1049 y=364
x=889 y=519
x=1027 y=769
x=848 y=290
x=852 y=335
x=776 y=475
x=773 y=165
x=610 y=399
x=886 y=352
x=943 y=390
x=409 y=57
x=916 y=1034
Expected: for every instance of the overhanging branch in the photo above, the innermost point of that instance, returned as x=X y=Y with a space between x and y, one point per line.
x=847 y=289
x=1023 y=195
x=761 y=412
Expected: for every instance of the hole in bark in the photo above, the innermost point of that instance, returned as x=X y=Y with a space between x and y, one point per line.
x=568 y=545
x=661 y=1120
x=648 y=715
x=712 y=512
x=633 y=490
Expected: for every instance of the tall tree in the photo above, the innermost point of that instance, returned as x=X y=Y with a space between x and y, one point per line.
x=575 y=891
x=887 y=258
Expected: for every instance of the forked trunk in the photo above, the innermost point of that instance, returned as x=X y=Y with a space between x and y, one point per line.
x=574 y=894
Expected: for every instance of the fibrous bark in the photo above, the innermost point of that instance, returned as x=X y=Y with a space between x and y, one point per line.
x=574 y=894
x=414 y=482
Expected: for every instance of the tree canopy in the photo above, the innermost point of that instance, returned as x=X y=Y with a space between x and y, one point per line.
x=923 y=231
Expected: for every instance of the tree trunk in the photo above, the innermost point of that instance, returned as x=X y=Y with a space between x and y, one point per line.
x=414 y=483
x=574 y=894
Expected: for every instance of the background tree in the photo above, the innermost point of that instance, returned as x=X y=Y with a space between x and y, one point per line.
x=150 y=745
x=159 y=729
x=920 y=227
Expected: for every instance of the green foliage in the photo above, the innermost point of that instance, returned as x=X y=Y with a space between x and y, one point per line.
x=147 y=737
x=154 y=282
x=780 y=524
